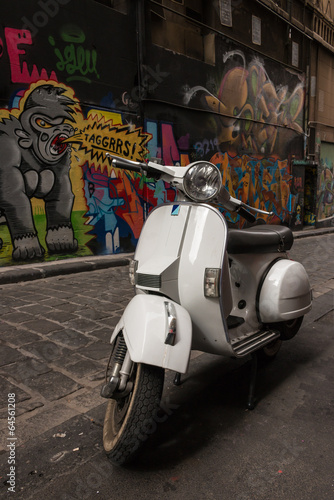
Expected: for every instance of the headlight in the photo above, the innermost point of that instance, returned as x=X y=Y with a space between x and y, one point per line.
x=202 y=181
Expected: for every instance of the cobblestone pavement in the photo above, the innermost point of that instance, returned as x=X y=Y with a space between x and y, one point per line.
x=55 y=337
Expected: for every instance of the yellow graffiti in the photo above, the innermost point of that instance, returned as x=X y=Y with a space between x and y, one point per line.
x=97 y=138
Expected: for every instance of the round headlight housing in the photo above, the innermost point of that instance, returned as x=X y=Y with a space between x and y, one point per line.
x=202 y=181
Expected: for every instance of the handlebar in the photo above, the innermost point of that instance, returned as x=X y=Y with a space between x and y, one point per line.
x=246 y=215
x=134 y=166
x=118 y=162
x=156 y=171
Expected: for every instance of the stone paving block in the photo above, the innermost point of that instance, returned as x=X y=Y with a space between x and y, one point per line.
x=35 y=309
x=9 y=355
x=43 y=326
x=85 y=401
x=68 y=307
x=6 y=300
x=5 y=328
x=25 y=370
x=6 y=388
x=21 y=408
x=61 y=316
x=17 y=317
x=53 y=385
x=104 y=334
x=69 y=338
x=5 y=309
x=46 y=351
x=93 y=313
x=329 y=284
x=79 y=301
x=19 y=336
x=28 y=406
x=82 y=325
x=32 y=296
x=108 y=307
x=98 y=375
x=68 y=359
x=95 y=351
x=48 y=417
x=110 y=322
x=84 y=368
x=55 y=302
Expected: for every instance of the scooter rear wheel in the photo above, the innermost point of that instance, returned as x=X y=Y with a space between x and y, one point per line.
x=129 y=421
x=288 y=329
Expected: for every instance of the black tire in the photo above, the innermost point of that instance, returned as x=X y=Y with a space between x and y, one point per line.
x=288 y=329
x=129 y=421
x=270 y=351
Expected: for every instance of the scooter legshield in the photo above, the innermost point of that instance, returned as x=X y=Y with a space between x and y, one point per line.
x=145 y=328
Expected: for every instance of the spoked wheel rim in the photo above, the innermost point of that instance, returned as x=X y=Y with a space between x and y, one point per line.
x=116 y=413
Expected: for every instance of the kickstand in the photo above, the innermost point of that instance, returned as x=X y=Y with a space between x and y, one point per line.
x=177 y=379
x=251 y=394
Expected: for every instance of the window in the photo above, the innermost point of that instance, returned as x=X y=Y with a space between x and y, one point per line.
x=119 y=5
x=225 y=12
x=178 y=26
x=256 y=30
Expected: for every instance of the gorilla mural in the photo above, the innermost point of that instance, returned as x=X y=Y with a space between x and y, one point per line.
x=35 y=162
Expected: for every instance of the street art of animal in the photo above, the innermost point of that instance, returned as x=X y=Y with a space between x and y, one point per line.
x=35 y=162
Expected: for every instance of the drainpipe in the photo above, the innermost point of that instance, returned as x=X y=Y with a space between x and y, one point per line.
x=141 y=44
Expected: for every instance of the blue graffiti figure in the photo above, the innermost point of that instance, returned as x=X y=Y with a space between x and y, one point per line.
x=101 y=209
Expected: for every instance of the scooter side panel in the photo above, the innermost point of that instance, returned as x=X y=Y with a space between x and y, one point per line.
x=145 y=327
x=160 y=240
x=286 y=293
x=204 y=246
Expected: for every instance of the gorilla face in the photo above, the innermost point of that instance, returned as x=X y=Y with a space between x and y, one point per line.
x=48 y=135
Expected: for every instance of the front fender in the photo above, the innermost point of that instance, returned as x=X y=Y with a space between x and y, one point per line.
x=145 y=327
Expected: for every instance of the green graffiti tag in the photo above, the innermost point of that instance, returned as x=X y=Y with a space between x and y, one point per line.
x=76 y=60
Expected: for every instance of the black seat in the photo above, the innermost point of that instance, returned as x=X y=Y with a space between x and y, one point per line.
x=259 y=239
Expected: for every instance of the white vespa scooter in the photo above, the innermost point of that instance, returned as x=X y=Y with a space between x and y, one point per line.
x=201 y=286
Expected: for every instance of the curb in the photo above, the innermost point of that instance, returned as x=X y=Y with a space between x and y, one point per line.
x=31 y=272
x=312 y=232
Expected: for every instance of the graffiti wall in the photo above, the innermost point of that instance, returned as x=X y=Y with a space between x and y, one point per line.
x=325 y=192
x=73 y=89
x=61 y=111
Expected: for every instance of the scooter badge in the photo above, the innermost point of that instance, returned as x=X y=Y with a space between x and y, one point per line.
x=175 y=210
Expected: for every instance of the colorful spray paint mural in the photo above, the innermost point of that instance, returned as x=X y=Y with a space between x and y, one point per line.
x=46 y=146
x=325 y=194
x=250 y=112
x=72 y=96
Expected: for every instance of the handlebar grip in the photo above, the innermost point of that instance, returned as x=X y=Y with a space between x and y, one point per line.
x=246 y=215
x=122 y=163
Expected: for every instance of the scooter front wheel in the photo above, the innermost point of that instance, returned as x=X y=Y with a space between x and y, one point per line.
x=129 y=421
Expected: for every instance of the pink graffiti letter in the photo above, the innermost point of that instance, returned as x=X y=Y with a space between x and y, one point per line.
x=14 y=38
x=170 y=150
